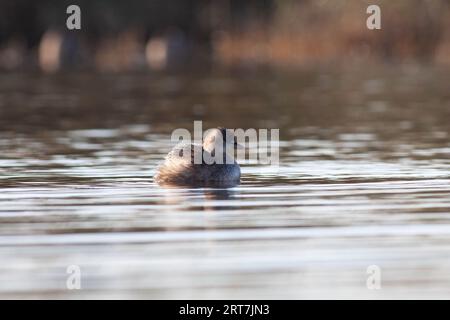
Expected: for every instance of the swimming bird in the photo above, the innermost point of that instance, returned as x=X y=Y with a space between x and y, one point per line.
x=210 y=164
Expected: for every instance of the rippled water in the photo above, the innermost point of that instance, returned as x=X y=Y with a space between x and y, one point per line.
x=363 y=180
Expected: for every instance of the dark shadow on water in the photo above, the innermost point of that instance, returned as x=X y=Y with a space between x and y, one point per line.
x=200 y=184
x=207 y=193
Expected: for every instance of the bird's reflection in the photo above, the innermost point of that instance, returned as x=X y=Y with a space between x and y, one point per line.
x=207 y=198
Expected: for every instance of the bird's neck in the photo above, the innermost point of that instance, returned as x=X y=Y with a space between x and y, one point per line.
x=227 y=155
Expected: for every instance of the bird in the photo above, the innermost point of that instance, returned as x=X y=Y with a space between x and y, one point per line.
x=210 y=164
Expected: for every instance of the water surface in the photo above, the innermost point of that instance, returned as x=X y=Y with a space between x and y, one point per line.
x=363 y=180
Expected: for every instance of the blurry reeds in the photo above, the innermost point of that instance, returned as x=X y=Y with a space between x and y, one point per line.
x=270 y=32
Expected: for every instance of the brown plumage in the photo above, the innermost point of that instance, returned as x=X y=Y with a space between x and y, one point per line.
x=180 y=167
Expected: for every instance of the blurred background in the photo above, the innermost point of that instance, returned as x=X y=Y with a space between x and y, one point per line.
x=160 y=35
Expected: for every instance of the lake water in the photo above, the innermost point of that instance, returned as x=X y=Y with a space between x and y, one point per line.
x=363 y=180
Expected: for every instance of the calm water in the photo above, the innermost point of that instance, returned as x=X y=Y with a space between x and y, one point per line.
x=364 y=179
